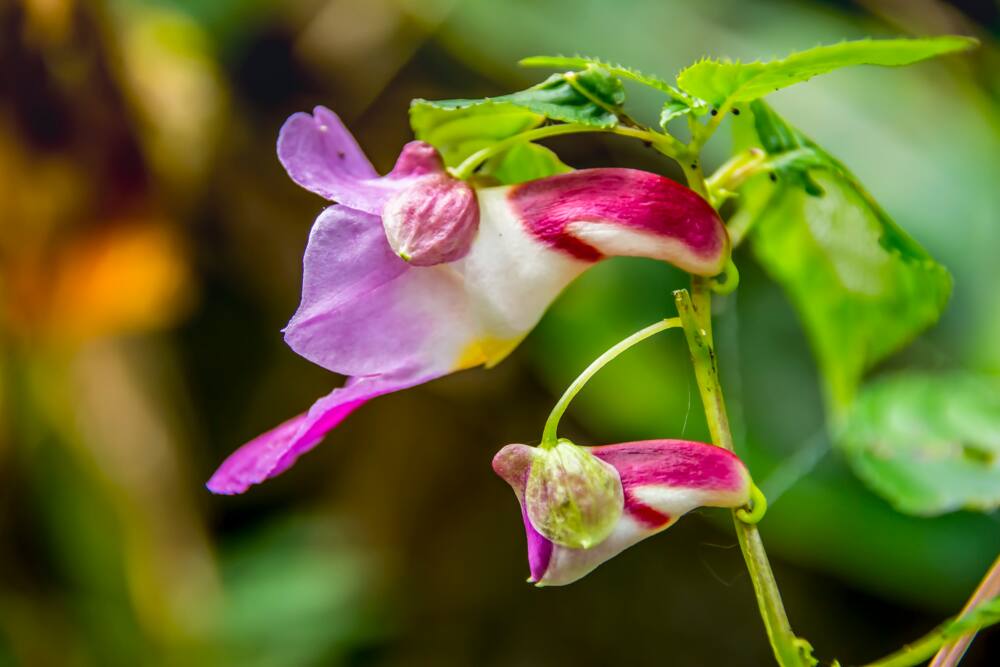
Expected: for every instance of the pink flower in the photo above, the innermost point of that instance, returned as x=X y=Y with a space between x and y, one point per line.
x=484 y=264
x=658 y=482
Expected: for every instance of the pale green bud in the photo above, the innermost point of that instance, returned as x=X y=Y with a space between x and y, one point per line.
x=572 y=497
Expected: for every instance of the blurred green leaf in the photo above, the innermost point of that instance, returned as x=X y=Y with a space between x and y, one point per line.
x=295 y=593
x=719 y=83
x=863 y=288
x=524 y=162
x=928 y=443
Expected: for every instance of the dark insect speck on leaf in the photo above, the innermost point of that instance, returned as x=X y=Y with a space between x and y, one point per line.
x=736 y=112
x=773 y=176
x=715 y=112
x=694 y=165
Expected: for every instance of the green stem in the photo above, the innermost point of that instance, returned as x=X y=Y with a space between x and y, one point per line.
x=983 y=615
x=701 y=133
x=734 y=173
x=695 y=310
x=471 y=163
x=552 y=423
x=664 y=143
x=695 y=315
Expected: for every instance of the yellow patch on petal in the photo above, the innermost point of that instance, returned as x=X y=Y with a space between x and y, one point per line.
x=487 y=351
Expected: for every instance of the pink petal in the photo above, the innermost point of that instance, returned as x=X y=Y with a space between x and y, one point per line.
x=365 y=311
x=273 y=452
x=320 y=154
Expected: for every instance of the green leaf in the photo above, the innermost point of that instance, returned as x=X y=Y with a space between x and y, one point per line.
x=524 y=162
x=671 y=110
x=592 y=97
x=725 y=83
x=862 y=287
x=295 y=594
x=459 y=128
x=928 y=443
x=458 y=132
x=585 y=62
x=680 y=103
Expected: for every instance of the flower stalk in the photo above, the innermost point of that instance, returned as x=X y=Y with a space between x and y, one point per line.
x=549 y=433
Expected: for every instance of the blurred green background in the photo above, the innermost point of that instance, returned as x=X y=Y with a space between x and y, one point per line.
x=150 y=249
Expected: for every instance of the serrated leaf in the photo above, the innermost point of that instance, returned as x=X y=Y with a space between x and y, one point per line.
x=680 y=103
x=584 y=62
x=671 y=110
x=928 y=443
x=459 y=131
x=862 y=287
x=722 y=83
x=591 y=97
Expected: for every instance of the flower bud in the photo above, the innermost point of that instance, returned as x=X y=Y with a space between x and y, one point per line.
x=572 y=497
x=433 y=221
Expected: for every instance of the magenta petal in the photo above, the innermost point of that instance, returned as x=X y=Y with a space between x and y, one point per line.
x=592 y=213
x=513 y=464
x=320 y=154
x=539 y=549
x=272 y=453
